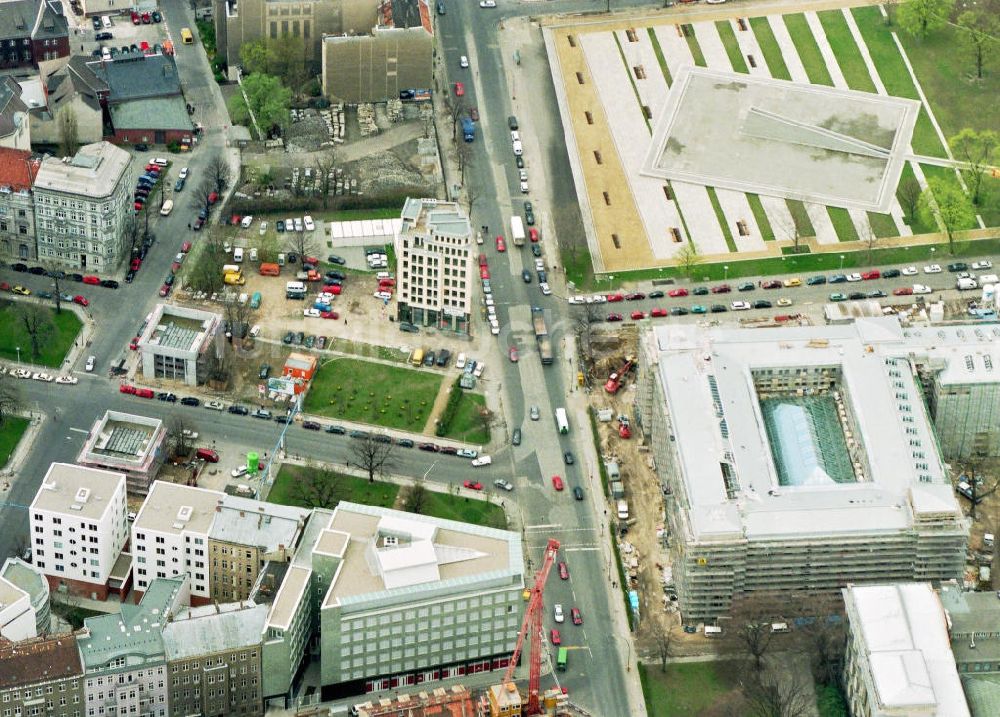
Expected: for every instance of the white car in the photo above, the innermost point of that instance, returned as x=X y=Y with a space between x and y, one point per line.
x=988 y=279
x=91 y=362
x=740 y=305
x=308 y=221
x=238 y=472
x=159 y=161
x=246 y=221
x=298 y=224
x=42 y=377
x=384 y=295
x=311 y=313
x=909 y=271
x=168 y=206
x=557 y=613
x=481 y=461
x=183 y=173
x=932 y=269
x=984 y=264
x=854 y=277
x=480 y=367
x=467 y=453
x=479 y=237
x=263 y=228
x=22 y=373
x=214 y=405
x=487 y=3
x=600 y=299
x=255 y=331
x=544 y=287
x=539 y=264
x=70 y=380
x=460 y=361
x=463 y=61
x=189 y=434
x=784 y=301
x=524 y=187
x=578 y=299
x=503 y=484
x=921 y=289
x=289 y=224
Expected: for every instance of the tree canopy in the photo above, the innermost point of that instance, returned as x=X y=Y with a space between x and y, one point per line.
x=266 y=98
x=922 y=17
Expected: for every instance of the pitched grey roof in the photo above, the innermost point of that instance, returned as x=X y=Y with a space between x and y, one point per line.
x=50 y=21
x=214 y=628
x=40 y=19
x=133 y=78
x=161 y=113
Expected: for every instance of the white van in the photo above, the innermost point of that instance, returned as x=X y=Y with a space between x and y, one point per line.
x=168 y=206
x=622 y=510
x=253 y=254
x=779 y=627
x=481 y=461
x=106 y=21
x=518 y=150
x=713 y=631
x=238 y=255
x=966 y=284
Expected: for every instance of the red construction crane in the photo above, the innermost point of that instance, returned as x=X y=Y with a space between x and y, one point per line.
x=533 y=623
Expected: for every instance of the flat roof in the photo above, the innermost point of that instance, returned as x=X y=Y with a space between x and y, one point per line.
x=905 y=635
x=93 y=172
x=435 y=216
x=289 y=597
x=717 y=420
x=246 y=521
x=78 y=490
x=122 y=437
x=174 y=508
x=213 y=628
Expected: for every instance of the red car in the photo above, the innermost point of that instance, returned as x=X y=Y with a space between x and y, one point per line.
x=165 y=290
x=4 y=286
x=721 y=289
x=903 y=291
x=639 y=296
x=555 y=637
x=501 y=246
x=615 y=297
x=136 y=20
x=81 y=300
x=563 y=571
x=772 y=284
x=383 y=283
x=136 y=263
x=474 y=114
x=575 y=616
x=91 y=279
x=126 y=388
x=533 y=234
x=459 y=89
x=482 y=260
x=134 y=344
x=154 y=168
x=213 y=197
x=615 y=317
x=334 y=289
x=869 y=275
x=557 y=483
x=484 y=272
x=175 y=267
x=676 y=293
x=637 y=315
x=144 y=392
x=329 y=315
x=473 y=485
x=658 y=312
x=146 y=19
x=186 y=247
x=513 y=354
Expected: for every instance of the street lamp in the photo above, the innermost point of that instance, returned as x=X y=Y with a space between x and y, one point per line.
x=18 y=349
x=725 y=271
x=628 y=658
x=841 y=261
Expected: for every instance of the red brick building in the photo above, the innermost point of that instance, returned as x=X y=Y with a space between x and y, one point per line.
x=32 y=31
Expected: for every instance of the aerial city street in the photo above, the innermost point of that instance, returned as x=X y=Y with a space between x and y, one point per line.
x=499 y=357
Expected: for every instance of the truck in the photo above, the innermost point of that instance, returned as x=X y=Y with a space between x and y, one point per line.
x=517 y=230
x=468 y=130
x=269 y=269
x=541 y=334
x=235 y=278
x=614 y=381
x=295 y=290
x=562 y=421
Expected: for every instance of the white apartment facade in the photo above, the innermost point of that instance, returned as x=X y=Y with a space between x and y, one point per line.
x=82 y=205
x=79 y=527
x=434 y=265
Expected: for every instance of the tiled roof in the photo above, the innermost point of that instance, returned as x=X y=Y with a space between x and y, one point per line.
x=17 y=169
x=34 y=660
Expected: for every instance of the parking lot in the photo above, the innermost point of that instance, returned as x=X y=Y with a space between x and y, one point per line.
x=123 y=34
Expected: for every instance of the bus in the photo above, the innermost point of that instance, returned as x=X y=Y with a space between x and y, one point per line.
x=562 y=659
x=417 y=357
x=186 y=37
x=517 y=230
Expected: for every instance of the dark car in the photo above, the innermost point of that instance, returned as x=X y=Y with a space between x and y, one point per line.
x=408 y=327
x=762 y=304
x=103 y=36
x=179 y=185
x=169 y=281
x=515 y=438
x=856 y=295
x=431 y=447
x=578 y=492
x=287 y=338
x=678 y=311
x=299 y=338
x=890 y=273
x=335 y=429
x=838 y=279
x=529 y=214
x=815 y=280
x=334 y=259
x=443 y=357
x=382 y=438
x=699 y=291
x=536 y=250
x=429 y=358
x=542 y=276
x=264 y=371
x=140 y=147
x=449 y=450
x=359 y=434
x=157 y=17
x=20 y=267
x=746 y=286
x=279 y=225
x=958 y=266
x=771 y=284
x=876 y=294
x=76 y=277
x=96 y=20
x=656 y=294
x=166 y=396
x=283 y=418
x=568 y=458
x=635 y=296
x=37 y=271
x=526 y=276
x=190 y=401
x=718 y=308
x=238 y=409
x=332 y=274
x=109 y=284
x=519 y=161
x=404 y=443
x=721 y=289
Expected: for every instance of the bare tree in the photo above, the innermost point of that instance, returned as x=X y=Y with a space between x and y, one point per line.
x=37 y=323
x=868 y=237
x=304 y=243
x=792 y=232
x=750 y=628
x=980 y=487
x=238 y=316
x=463 y=152
x=319 y=487
x=201 y=192
x=10 y=398
x=471 y=195
x=373 y=454
x=826 y=647
x=415 y=498
x=584 y=317
x=69 y=131
x=456 y=108
x=326 y=164
x=486 y=419
x=180 y=435
x=909 y=192
x=687 y=258
x=771 y=695
x=218 y=172
x=662 y=637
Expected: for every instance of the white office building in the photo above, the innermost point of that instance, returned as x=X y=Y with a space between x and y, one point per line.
x=898 y=660
x=79 y=527
x=435 y=265
x=178 y=344
x=82 y=204
x=799 y=460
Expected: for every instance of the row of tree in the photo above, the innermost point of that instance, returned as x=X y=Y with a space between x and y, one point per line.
x=978 y=27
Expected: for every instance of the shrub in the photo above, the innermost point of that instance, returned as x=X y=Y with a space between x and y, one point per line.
x=448 y=414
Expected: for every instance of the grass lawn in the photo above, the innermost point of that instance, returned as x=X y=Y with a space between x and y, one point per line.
x=696 y=53
x=631 y=79
x=389 y=396
x=728 y=38
x=686 y=688
x=10 y=435
x=721 y=217
x=801 y=218
x=883 y=225
x=356 y=490
x=74 y=614
x=658 y=51
x=845 y=49
x=465 y=510
x=766 y=232
x=943 y=174
x=346 y=215
x=805 y=45
x=769 y=46
x=577 y=263
x=466 y=426
x=66 y=326
x=842 y=224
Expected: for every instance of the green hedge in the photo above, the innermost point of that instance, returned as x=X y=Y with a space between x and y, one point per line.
x=450 y=410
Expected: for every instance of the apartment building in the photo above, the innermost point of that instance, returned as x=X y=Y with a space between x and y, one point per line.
x=434 y=265
x=220 y=541
x=124 y=656
x=17 y=205
x=214 y=660
x=31 y=32
x=41 y=675
x=798 y=459
x=82 y=204
x=78 y=524
x=179 y=343
x=898 y=660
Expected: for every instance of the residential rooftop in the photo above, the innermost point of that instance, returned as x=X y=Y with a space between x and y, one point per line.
x=78 y=490
x=434 y=217
x=246 y=521
x=214 y=628
x=175 y=508
x=41 y=658
x=123 y=440
x=93 y=172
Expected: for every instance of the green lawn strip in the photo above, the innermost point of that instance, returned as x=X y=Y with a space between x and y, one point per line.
x=896 y=78
x=946 y=175
x=721 y=217
x=766 y=232
x=830 y=702
x=732 y=46
x=10 y=435
x=989 y=203
x=948 y=79
x=845 y=49
x=346 y=215
x=842 y=224
x=815 y=263
x=466 y=425
x=579 y=268
x=354 y=489
x=805 y=45
x=357 y=390
x=466 y=510
x=769 y=46
x=801 y=218
x=55 y=344
x=677 y=206
x=913 y=222
x=658 y=51
x=883 y=225
x=686 y=688
x=692 y=41
x=631 y=79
